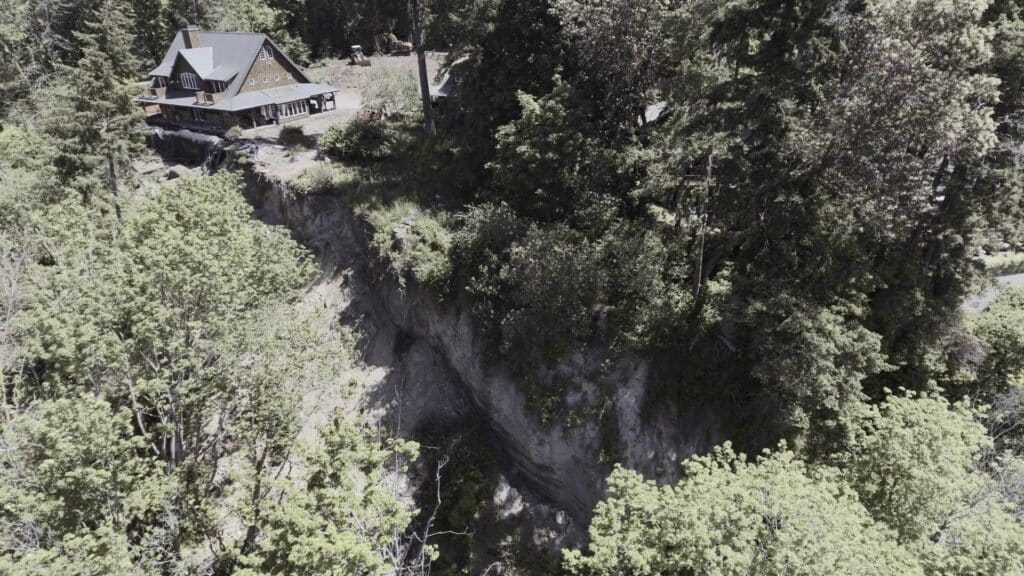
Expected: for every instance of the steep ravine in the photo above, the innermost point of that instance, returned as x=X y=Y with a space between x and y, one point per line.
x=437 y=352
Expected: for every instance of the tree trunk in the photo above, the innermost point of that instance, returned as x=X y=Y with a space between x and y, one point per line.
x=114 y=193
x=421 y=57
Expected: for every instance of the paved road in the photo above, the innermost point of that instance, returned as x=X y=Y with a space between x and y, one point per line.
x=1016 y=280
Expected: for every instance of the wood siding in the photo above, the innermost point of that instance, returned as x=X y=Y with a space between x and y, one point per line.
x=278 y=66
x=180 y=67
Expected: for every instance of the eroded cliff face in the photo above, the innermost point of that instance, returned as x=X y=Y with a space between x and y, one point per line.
x=440 y=373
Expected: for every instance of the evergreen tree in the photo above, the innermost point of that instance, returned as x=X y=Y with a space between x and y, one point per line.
x=90 y=113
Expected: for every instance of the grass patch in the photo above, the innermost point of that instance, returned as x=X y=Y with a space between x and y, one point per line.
x=413 y=241
x=325 y=177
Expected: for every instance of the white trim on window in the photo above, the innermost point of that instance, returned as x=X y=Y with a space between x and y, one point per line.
x=289 y=76
x=189 y=80
x=266 y=53
x=252 y=81
x=266 y=79
x=290 y=109
x=277 y=77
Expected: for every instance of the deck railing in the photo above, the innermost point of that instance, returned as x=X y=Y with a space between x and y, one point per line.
x=153 y=92
x=203 y=97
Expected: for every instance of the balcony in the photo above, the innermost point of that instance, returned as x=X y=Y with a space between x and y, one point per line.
x=153 y=93
x=208 y=98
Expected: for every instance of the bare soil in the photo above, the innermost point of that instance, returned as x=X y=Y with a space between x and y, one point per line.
x=351 y=82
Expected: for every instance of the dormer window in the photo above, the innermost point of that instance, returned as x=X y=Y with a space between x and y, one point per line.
x=216 y=86
x=190 y=81
x=266 y=53
x=159 y=81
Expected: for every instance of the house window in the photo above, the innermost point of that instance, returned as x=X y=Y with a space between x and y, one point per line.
x=266 y=79
x=199 y=115
x=292 y=109
x=159 y=81
x=217 y=86
x=252 y=81
x=265 y=53
x=190 y=81
x=277 y=77
x=289 y=76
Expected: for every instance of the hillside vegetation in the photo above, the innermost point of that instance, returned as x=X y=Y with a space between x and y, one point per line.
x=793 y=230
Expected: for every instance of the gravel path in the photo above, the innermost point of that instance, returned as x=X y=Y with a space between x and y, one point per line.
x=981 y=301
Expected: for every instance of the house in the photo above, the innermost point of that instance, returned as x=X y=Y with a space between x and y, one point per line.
x=215 y=80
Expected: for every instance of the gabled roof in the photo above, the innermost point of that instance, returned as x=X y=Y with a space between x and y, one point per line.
x=222 y=73
x=221 y=56
x=200 y=59
x=228 y=56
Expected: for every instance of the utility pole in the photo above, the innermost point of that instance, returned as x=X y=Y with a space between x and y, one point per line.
x=421 y=57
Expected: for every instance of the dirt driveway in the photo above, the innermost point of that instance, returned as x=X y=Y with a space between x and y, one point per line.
x=350 y=82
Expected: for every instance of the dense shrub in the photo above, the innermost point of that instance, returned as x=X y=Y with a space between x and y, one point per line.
x=292 y=136
x=481 y=242
x=1004 y=264
x=323 y=177
x=554 y=280
x=392 y=91
x=234 y=133
x=413 y=241
x=649 y=286
x=365 y=139
x=1000 y=330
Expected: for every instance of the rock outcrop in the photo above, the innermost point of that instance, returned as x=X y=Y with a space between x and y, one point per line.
x=438 y=356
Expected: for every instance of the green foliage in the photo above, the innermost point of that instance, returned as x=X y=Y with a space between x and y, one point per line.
x=365 y=139
x=89 y=111
x=481 y=241
x=292 y=136
x=343 y=519
x=1004 y=264
x=912 y=494
x=258 y=16
x=550 y=165
x=29 y=180
x=553 y=281
x=731 y=516
x=648 y=292
x=918 y=465
x=1000 y=329
x=620 y=50
x=815 y=358
x=540 y=158
x=152 y=29
x=77 y=478
x=178 y=323
x=393 y=91
x=324 y=177
x=415 y=242
x=234 y=133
